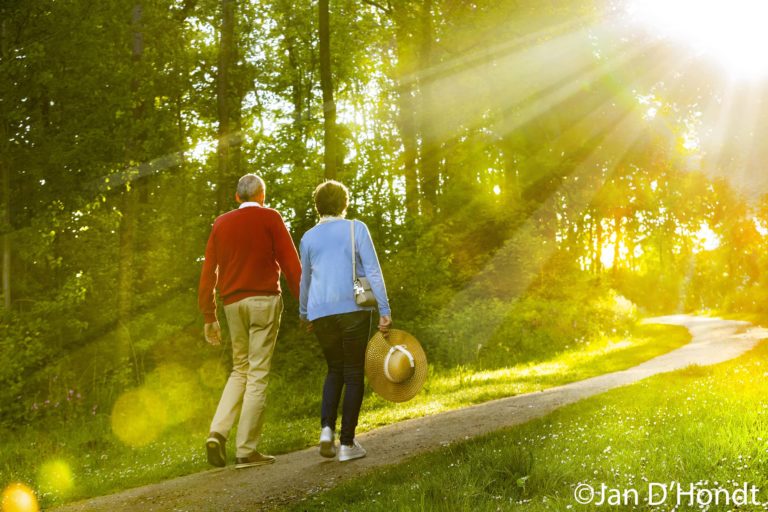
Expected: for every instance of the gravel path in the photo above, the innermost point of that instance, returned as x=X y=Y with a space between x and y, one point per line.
x=299 y=473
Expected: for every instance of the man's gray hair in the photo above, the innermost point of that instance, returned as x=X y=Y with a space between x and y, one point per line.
x=250 y=187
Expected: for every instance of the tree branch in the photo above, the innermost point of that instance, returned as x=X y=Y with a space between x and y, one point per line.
x=387 y=10
x=186 y=9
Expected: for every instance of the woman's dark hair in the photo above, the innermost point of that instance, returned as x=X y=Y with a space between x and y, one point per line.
x=331 y=198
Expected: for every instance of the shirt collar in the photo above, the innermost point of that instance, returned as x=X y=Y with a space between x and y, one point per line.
x=246 y=204
x=329 y=218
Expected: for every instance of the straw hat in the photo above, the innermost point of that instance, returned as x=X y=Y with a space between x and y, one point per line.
x=396 y=366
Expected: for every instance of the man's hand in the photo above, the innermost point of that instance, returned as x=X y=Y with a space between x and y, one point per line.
x=213 y=333
x=306 y=324
x=385 y=323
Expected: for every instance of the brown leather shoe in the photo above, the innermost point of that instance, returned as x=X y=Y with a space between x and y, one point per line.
x=255 y=459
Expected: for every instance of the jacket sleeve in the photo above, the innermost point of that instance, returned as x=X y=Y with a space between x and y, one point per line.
x=306 y=279
x=286 y=255
x=371 y=267
x=206 y=293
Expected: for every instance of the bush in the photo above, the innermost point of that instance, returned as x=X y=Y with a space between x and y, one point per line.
x=495 y=333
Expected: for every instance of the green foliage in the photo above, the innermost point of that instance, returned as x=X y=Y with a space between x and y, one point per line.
x=530 y=328
x=23 y=348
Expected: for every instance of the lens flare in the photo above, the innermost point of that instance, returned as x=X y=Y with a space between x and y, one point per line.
x=55 y=477
x=179 y=389
x=19 y=498
x=212 y=374
x=705 y=239
x=138 y=417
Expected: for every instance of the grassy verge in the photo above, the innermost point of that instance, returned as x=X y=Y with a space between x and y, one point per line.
x=706 y=426
x=760 y=318
x=165 y=421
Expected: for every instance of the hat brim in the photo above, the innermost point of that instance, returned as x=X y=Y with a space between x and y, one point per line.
x=378 y=348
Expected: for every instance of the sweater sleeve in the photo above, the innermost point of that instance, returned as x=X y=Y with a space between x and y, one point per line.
x=306 y=280
x=371 y=266
x=206 y=293
x=286 y=255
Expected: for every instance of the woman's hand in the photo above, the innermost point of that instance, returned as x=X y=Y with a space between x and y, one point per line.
x=385 y=323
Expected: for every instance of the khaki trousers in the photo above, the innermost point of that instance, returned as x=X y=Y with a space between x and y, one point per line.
x=253 y=325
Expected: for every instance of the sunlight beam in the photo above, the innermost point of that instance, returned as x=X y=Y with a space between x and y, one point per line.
x=583 y=184
x=543 y=75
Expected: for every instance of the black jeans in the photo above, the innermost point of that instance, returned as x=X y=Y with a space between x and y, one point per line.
x=343 y=339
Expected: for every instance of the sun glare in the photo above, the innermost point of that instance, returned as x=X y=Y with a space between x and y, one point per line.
x=55 y=477
x=732 y=32
x=19 y=498
x=705 y=239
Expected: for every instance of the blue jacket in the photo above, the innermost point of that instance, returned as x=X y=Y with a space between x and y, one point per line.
x=326 y=277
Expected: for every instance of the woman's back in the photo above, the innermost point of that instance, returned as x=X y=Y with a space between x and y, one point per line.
x=327 y=282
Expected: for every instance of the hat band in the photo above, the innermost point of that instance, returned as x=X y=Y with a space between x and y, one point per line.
x=392 y=350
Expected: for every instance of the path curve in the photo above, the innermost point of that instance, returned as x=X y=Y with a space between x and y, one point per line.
x=297 y=474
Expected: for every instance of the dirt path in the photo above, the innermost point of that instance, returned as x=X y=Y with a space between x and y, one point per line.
x=299 y=473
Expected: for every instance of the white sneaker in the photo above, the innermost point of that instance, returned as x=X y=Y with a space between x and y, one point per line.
x=327 y=445
x=351 y=452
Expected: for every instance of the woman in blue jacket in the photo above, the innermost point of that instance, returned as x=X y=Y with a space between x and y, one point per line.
x=327 y=303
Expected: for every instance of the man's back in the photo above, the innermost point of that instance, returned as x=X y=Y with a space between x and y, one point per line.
x=249 y=246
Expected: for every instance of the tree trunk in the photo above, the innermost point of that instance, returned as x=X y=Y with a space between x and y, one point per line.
x=406 y=115
x=6 y=223
x=297 y=98
x=128 y=210
x=599 y=246
x=574 y=228
x=331 y=144
x=130 y=197
x=430 y=146
x=617 y=240
x=512 y=193
x=6 y=184
x=228 y=109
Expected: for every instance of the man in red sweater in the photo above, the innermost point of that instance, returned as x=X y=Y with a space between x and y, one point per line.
x=246 y=251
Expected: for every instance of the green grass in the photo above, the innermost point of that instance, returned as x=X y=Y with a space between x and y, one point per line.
x=178 y=402
x=756 y=318
x=459 y=387
x=702 y=425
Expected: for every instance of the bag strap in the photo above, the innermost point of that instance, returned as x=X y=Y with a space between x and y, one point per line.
x=352 y=236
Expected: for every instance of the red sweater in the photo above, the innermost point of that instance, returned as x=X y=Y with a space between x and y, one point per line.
x=246 y=250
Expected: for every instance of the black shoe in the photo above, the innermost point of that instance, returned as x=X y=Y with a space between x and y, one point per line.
x=216 y=448
x=255 y=459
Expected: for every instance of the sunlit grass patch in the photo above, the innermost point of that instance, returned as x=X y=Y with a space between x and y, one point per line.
x=704 y=426
x=449 y=389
